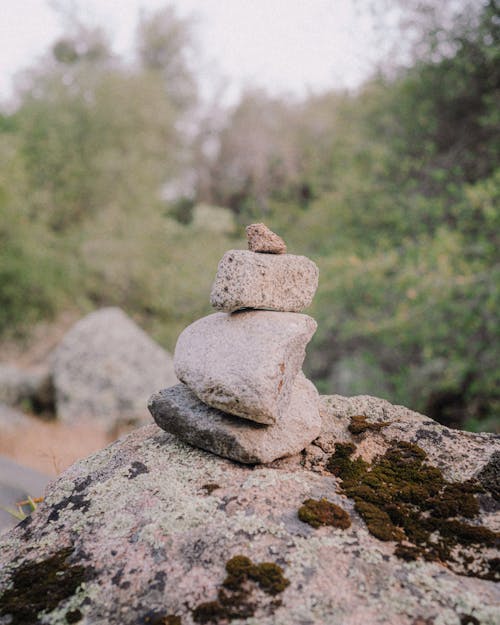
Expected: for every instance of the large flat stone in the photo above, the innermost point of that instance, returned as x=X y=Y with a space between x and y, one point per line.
x=178 y=411
x=244 y=363
x=265 y=281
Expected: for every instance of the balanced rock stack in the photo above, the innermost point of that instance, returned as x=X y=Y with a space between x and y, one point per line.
x=243 y=394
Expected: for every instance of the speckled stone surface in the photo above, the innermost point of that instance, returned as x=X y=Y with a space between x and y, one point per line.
x=106 y=367
x=261 y=239
x=245 y=363
x=177 y=410
x=11 y=417
x=150 y=522
x=17 y=384
x=245 y=279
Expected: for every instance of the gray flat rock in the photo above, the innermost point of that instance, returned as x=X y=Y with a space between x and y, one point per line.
x=245 y=363
x=178 y=411
x=247 y=279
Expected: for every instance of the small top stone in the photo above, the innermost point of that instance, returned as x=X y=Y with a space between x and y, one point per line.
x=261 y=239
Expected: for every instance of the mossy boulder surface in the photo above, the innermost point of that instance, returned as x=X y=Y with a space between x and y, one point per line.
x=150 y=530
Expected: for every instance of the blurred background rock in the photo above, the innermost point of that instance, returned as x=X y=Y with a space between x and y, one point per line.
x=122 y=184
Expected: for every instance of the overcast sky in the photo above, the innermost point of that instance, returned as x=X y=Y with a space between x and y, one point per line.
x=284 y=45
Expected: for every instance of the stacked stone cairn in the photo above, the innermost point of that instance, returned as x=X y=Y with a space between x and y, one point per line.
x=243 y=395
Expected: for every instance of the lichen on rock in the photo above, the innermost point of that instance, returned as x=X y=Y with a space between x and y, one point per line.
x=154 y=544
x=359 y=424
x=236 y=597
x=40 y=586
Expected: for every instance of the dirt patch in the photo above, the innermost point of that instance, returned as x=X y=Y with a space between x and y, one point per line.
x=52 y=447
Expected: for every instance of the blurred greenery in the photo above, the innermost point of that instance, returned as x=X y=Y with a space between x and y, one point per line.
x=393 y=190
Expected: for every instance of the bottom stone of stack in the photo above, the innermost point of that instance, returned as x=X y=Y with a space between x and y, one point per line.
x=178 y=411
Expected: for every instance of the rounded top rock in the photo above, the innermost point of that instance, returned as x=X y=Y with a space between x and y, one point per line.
x=261 y=239
x=106 y=367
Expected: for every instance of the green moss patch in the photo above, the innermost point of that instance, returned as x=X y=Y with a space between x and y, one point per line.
x=40 y=587
x=323 y=512
x=341 y=464
x=403 y=498
x=359 y=424
x=236 y=598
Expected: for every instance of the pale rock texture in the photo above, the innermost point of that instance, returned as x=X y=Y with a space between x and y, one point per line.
x=261 y=239
x=245 y=363
x=32 y=384
x=244 y=279
x=148 y=524
x=177 y=410
x=11 y=418
x=457 y=453
x=106 y=367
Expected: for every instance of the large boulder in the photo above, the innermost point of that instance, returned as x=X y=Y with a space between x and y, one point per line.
x=106 y=367
x=32 y=386
x=151 y=530
x=11 y=418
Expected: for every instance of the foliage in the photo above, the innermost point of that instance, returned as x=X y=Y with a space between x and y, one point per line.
x=94 y=135
x=29 y=503
x=393 y=190
x=31 y=275
x=402 y=217
x=85 y=158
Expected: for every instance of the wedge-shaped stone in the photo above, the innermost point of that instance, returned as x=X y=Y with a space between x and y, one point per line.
x=245 y=363
x=261 y=239
x=178 y=411
x=265 y=281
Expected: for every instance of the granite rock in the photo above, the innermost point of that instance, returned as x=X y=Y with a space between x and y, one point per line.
x=457 y=453
x=179 y=411
x=245 y=363
x=32 y=385
x=141 y=532
x=245 y=279
x=12 y=418
x=106 y=367
x=261 y=239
